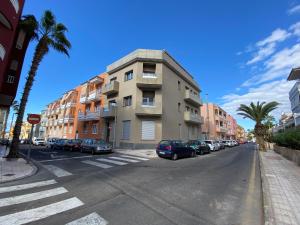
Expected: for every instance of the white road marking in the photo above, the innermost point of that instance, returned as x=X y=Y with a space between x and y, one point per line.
x=76 y=157
x=113 y=162
x=123 y=159
x=35 y=214
x=134 y=157
x=57 y=171
x=26 y=186
x=31 y=197
x=104 y=166
x=91 y=219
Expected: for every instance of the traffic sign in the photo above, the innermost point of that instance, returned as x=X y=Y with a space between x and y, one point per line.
x=34 y=118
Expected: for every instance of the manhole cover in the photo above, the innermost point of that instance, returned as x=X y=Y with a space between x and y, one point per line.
x=9 y=174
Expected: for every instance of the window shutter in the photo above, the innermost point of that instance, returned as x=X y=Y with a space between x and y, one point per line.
x=148 y=130
x=126 y=130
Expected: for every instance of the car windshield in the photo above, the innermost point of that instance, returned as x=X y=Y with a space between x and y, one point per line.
x=39 y=139
x=100 y=142
x=208 y=142
x=178 y=143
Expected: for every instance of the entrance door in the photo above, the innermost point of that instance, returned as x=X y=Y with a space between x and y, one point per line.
x=107 y=131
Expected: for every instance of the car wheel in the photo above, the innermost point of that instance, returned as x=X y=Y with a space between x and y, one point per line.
x=174 y=156
x=201 y=152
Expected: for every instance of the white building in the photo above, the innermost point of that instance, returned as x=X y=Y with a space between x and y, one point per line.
x=294 y=95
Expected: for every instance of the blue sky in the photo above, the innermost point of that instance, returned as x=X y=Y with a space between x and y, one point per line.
x=238 y=51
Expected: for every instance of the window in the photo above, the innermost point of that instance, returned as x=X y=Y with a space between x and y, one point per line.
x=149 y=68
x=85 y=128
x=179 y=85
x=88 y=108
x=196 y=112
x=126 y=130
x=97 y=107
x=112 y=79
x=128 y=75
x=186 y=88
x=94 y=128
x=179 y=106
x=187 y=108
x=2 y=52
x=148 y=98
x=148 y=130
x=112 y=103
x=10 y=79
x=127 y=101
x=65 y=129
x=70 y=129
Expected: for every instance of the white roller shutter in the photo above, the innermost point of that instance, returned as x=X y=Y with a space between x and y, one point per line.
x=148 y=130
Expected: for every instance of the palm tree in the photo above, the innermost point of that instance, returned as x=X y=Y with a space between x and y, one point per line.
x=15 y=107
x=258 y=113
x=49 y=34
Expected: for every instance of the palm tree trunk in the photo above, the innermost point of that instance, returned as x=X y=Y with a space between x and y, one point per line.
x=5 y=122
x=11 y=123
x=260 y=133
x=40 y=51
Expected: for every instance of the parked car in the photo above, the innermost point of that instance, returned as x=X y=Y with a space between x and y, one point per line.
x=235 y=143
x=222 y=146
x=227 y=143
x=200 y=146
x=59 y=144
x=50 y=142
x=174 y=149
x=95 y=146
x=73 y=144
x=211 y=144
x=4 y=141
x=38 y=141
x=24 y=141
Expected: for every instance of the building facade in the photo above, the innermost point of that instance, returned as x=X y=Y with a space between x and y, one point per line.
x=13 y=45
x=241 y=134
x=77 y=113
x=218 y=124
x=294 y=95
x=150 y=97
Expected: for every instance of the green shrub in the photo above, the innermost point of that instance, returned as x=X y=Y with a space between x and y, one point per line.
x=289 y=138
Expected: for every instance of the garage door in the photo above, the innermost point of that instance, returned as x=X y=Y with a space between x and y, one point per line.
x=148 y=130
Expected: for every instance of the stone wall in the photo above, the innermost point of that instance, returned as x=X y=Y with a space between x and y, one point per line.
x=290 y=154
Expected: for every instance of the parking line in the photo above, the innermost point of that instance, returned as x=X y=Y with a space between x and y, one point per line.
x=113 y=162
x=35 y=214
x=26 y=186
x=57 y=171
x=31 y=197
x=134 y=157
x=91 y=219
x=123 y=159
x=104 y=166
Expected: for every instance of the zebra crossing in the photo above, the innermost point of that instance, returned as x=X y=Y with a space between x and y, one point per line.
x=41 y=212
x=103 y=163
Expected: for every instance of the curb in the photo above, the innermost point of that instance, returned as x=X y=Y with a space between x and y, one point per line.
x=35 y=170
x=267 y=203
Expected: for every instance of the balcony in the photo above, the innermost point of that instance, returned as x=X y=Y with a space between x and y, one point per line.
x=60 y=121
x=192 y=99
x=63 y=106
x=149 y=80
x=94 y=96
x=148 y=110
x=221 y=129
x=83 y=99
x=192 y=118
x=107 y=112
x=96 y=80
x=55 y=123
x=69 y=119
x=111 y=88
x=57 y=110
x=70 y=104
x=93 y=115
x=81 y=116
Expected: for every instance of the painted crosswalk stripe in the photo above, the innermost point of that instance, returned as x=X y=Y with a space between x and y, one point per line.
x=134 y=157
x=57 y=171
x=31 y=197
x=123 y=159
x=104 y=166
x=91 y=219
x=35 y=214
x=113 y=162
x=26 y=186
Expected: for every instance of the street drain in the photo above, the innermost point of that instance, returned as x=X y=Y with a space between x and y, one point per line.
x=9 y=174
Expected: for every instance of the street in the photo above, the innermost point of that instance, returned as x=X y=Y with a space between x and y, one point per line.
x=219 y=188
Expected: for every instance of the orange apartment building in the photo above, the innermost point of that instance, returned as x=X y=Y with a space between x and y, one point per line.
x=77 y=113
x=217 y=123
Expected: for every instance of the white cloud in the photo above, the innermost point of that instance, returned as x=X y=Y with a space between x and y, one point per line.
x=262 y=53
x=293 y=10
x=277 y=35
x=273 y=91
x=295 y=29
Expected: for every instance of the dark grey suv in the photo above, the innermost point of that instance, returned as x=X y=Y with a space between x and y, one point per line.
x=95 y=146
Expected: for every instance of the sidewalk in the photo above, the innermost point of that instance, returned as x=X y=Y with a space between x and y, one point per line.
x=281 y=183
x=147 y=153
x=13 y=169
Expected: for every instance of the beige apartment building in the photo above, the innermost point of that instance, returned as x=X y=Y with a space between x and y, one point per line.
x=150 y=97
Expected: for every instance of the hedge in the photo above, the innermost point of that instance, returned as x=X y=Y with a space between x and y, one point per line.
x=289 y=139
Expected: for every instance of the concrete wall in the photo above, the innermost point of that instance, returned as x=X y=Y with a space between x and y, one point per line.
x=290 y=154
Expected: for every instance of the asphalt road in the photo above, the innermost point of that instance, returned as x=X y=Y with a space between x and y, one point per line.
x=219 y=188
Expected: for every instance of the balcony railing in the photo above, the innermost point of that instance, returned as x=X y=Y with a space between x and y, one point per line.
x=94 y=95
x=69 y=119
x=93 y=115
x=153 y=109
x=107 y=112
x=149 y=80
x=192 y=98
x=111 y=88
x=192 y=118
x=55 y=123
x=60 y=120
x=63 y=106
x=57 y=110
x=83 y=99
x=70 y=104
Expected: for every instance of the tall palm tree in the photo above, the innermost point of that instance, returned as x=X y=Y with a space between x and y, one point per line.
x=15 y=107
x=258 y=113
x=49 y=34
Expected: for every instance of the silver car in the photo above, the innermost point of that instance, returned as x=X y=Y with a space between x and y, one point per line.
x=95 y=146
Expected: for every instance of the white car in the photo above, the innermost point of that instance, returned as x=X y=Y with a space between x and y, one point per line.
x=212 y=145
x=50 y=142
x=38 y=141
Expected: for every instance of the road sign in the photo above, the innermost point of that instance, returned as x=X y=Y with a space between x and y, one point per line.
x=34 y=118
